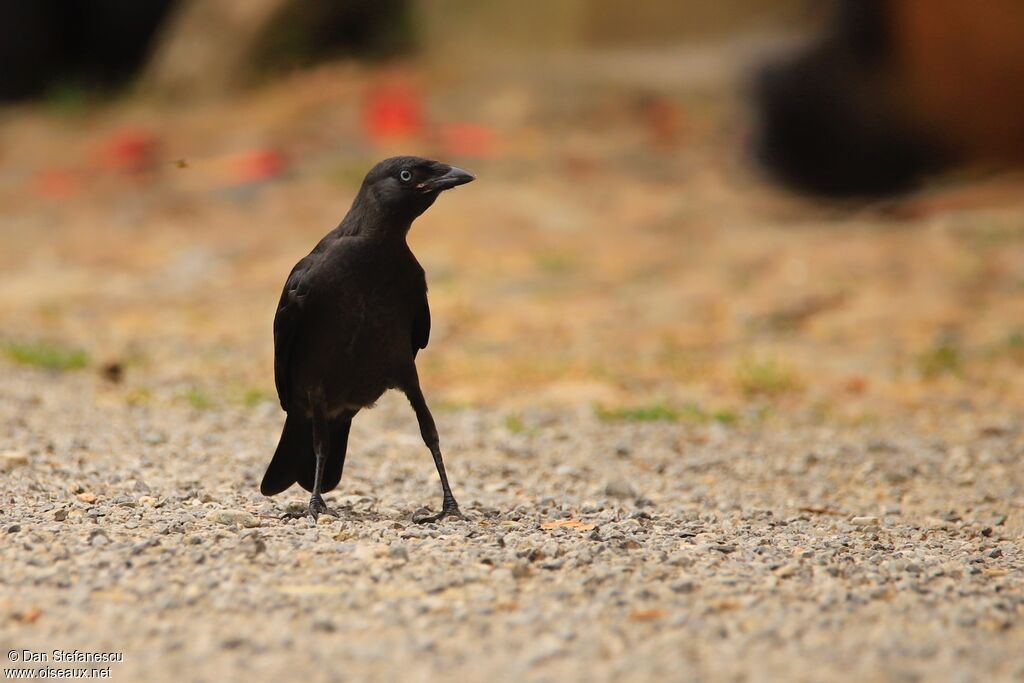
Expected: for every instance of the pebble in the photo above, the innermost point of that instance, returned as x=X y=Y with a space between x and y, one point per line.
x=546 y=647
x=864 y=521
x=787 y=570
x=239 y=517
x=620 y=488
x=684 y=586
x=12 y=459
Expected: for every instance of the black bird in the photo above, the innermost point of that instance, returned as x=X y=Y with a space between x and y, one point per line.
x=352 y=317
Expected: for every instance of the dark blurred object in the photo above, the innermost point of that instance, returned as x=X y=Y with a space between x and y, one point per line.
x=826 y=124
x=48 y=44
x=210 y=46
x=113 y=372
x=892 y=90
x=186 y=46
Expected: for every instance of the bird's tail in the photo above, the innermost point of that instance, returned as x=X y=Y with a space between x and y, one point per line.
x=294 y=460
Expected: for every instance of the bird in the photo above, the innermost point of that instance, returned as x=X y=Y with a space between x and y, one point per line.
x=350 y=322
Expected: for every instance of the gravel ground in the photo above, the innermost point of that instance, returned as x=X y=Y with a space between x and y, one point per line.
x=595 y=550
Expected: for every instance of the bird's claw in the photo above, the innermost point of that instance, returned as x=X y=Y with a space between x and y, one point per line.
x=316 y=507
x=424 y=516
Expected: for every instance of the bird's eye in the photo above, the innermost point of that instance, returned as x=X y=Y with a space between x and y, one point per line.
x=405 y=175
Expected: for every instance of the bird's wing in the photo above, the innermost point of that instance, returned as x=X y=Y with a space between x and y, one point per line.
x=421 y=326
x=286 y=323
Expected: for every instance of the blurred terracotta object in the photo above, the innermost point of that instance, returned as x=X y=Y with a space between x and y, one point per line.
x=391 y=113
x=259 y=165
x=129 y=150
x=664 y=120
x=56 y=183
x=467 y=140
x=963 y=67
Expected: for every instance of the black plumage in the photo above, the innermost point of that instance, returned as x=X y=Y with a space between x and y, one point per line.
x=352 y=317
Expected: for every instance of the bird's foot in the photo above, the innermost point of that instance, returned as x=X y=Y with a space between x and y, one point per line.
x=424 y=516
x=316 y=507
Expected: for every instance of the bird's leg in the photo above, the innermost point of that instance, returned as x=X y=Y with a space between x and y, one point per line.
x=321 y=447
x=449 y=508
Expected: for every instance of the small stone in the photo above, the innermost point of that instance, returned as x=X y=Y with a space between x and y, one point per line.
x=60 y=515
x=723 y=548
x=295 y=507
x=996 y=553
x=680 y=560
x=786 y=571
x=619 y=488
x=154 y=438
x=324 y=626
x=147 y=500
x=544 y=648
x=521 y=570
x=253 y=544
x=87 y=497
x=684 y=586
x=865 y=520
x=11 y=459
x=583 y=556
x=366 y=553
x=937 y=523
x=239 y=517
x=14 y=528
x=139 y=548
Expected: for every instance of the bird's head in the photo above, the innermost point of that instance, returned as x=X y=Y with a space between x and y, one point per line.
x=405 y=187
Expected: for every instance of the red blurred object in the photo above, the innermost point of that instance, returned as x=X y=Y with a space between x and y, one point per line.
x=665 y=121
x=259 y=164
x=56 y=183
x=856 y=384
x=130 y=151
x=467 y=140
x=392 y=112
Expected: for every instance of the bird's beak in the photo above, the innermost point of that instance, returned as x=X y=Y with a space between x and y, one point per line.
x=451 y=178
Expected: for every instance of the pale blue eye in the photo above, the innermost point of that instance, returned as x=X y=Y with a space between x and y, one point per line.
x=405 y=175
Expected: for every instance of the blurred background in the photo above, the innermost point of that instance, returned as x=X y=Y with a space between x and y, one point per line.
x=720 y=212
